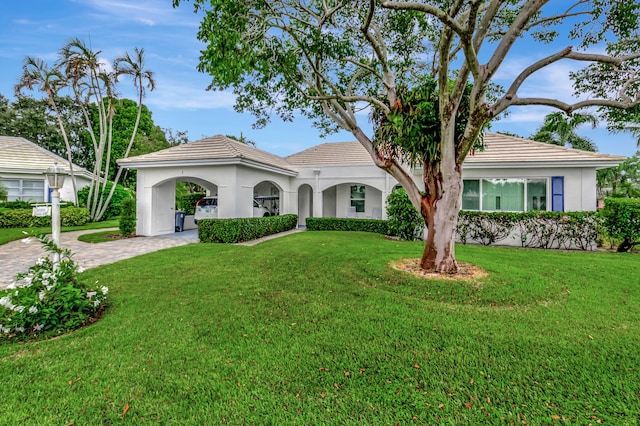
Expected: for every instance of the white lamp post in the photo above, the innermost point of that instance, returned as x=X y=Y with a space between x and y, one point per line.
x=55 y=176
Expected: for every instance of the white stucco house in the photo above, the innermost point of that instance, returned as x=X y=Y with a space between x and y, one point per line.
x=22 y=166
x=340 y=179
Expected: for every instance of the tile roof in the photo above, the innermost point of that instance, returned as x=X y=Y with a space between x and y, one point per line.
x=331 y=153
x=213 y=148
x=18 y=155
x=503 y=149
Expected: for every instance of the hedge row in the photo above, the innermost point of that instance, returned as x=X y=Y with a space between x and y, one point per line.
x=347 y=224
x=187 y=202
x=622 y=221
x=22 y=218
x=577 y=230
x=243 y=229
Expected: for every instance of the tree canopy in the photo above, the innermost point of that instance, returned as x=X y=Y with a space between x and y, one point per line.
x=334 y=60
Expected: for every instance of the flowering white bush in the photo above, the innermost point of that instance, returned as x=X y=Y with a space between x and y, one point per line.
x=47 y=299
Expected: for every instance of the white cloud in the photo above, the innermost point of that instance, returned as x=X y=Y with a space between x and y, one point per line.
x=179 y=95
x=146 y=12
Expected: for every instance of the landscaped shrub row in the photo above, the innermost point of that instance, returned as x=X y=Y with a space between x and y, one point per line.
x=187 y=202
x=243 y=229
x=22 y=218
x=578 y=230
x=347 y=224
x=622 y=221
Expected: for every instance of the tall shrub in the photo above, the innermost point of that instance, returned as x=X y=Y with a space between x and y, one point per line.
x=127 y=217
x=622 y=221
x=404 y=220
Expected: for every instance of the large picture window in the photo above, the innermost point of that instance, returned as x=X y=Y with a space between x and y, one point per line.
x=512 y=194
x=24 y=189
x=358 y=197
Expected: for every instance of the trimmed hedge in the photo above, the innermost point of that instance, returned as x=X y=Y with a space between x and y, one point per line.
x=17 y=204
x=22 y=218
x=622 y=221
x=578 y=230
x=127 y=221
x=244 y=228
x=347 y=224
x=187 y=202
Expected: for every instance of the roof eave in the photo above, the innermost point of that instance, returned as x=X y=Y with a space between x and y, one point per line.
x=598 y=164
x=208 y=162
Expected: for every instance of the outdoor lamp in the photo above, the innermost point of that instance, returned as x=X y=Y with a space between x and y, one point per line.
x=55 y=177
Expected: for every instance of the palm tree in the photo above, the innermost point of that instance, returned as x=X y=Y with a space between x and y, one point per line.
x=36 y=73
x=559 y=129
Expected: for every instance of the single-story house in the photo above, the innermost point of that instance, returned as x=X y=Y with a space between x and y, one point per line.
x=22 y=166
x=340 y=179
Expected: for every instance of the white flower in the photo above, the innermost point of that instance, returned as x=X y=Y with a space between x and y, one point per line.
x=6 y=302
x=90 y=294
x=5 y=330
x=40 y=261
x=26 y=240
x=45 y=282
x=41 y=295
x=80 y=269
x=20 y=329
x=16 y=293
x=104 y=289
x=38 y=327
x=18 y=308
x=33 y=310
x=96 y=303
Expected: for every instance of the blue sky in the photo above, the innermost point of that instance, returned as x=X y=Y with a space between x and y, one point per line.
x=180 y=102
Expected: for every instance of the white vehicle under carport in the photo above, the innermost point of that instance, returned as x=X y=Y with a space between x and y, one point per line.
x=207 y=208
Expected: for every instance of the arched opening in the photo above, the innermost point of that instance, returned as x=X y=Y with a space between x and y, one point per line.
x=266 y=199
x=305 y=204
x=352 y=200
x=189 y=192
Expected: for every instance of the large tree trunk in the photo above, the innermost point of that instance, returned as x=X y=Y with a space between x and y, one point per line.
x=440 y=207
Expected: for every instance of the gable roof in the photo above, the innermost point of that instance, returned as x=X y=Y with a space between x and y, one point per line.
x=213 y=150
x=20 y=155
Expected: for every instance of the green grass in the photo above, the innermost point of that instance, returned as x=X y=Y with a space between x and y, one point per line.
x=12 y=234
x=315 y=328
x=100 y=237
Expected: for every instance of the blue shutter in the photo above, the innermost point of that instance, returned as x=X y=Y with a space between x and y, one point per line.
x=557 y=193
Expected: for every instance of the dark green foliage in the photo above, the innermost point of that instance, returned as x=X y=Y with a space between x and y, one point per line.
x=187 y=202
x=49 y=299
x=404 y=221
x=3 y=192
x=243 y=229
x=577 y=230
x=347 y=224
x=622 y=221
x=127 y=217
x=22 y=218
x=113 y=210
x=16 y=204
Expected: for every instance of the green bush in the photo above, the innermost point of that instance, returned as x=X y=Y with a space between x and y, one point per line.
x=16 y=204
x=243 y=229
x=537 y=229
x=622 y=221
x=4 y=192
x=404 y=220
x=113 y=209
x=22 y=218
x=127 y=217
x=347 y=224
x=47 y=300
x=187 y=202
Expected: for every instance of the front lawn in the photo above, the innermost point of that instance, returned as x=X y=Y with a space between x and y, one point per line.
x=315 y=328
x=12 y=234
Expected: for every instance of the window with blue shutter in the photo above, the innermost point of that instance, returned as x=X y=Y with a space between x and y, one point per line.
x=557 y=193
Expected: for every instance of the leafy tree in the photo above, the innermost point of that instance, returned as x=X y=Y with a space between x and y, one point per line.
x=79 y=70
x=330 y=59
x=560 y=129
x=622 y=181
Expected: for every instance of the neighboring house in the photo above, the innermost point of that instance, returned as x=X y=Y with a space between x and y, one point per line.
x=340 y=179
x=22 y=166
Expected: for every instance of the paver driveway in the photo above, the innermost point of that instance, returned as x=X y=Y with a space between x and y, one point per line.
x=17 y=256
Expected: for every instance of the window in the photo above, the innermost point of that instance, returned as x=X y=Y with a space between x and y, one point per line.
x=513 y=194
x=24 y=189
x=357 y=198
x=471 y=195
